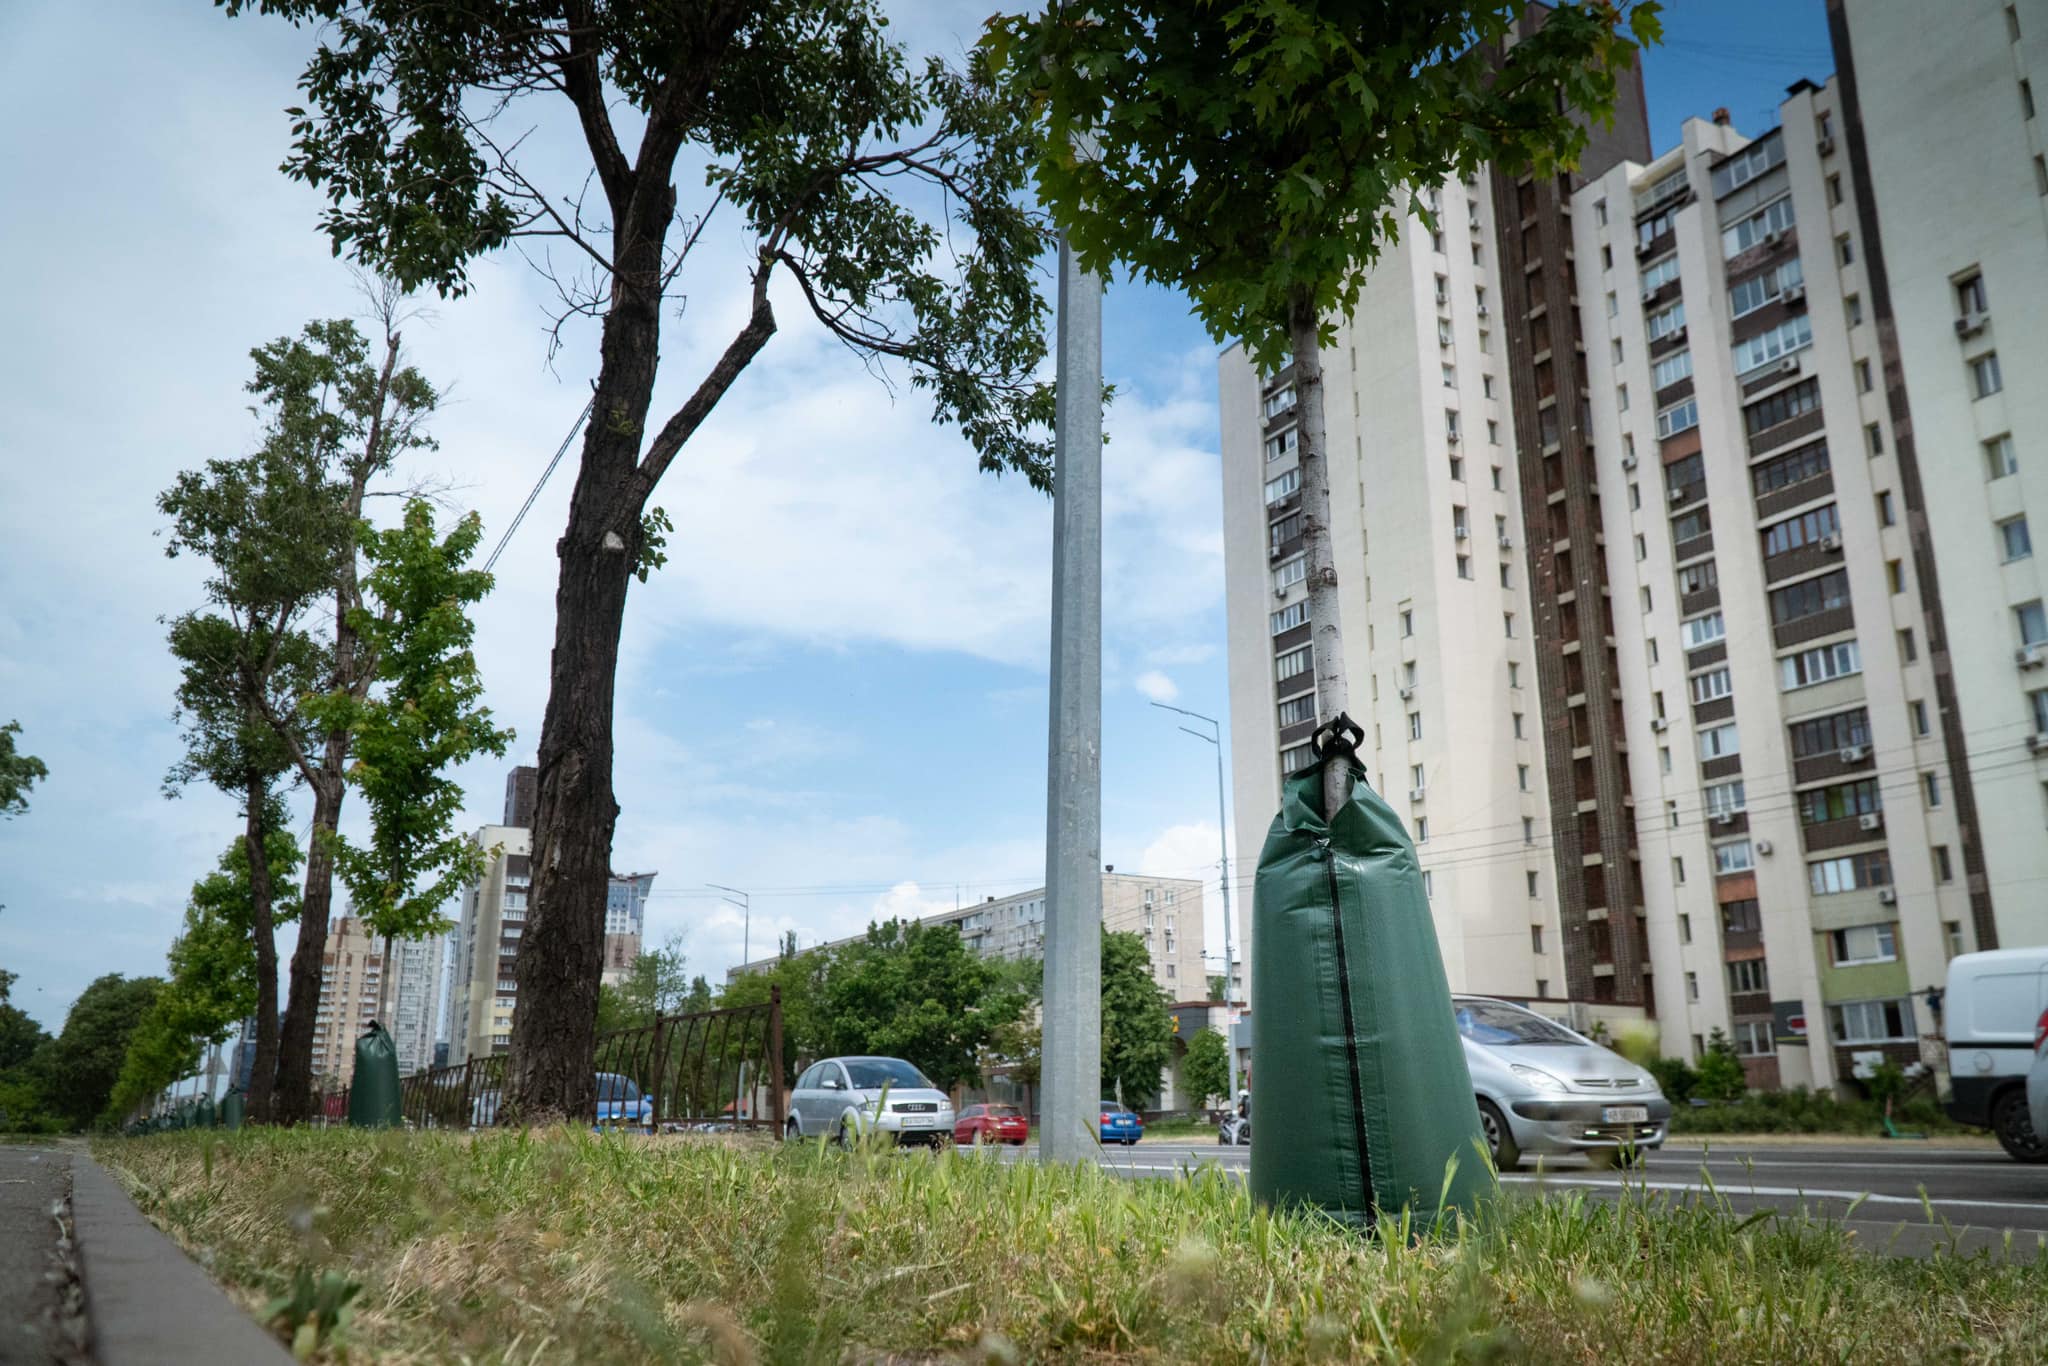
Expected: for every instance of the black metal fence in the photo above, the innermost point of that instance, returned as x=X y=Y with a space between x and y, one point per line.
x=712 y=1068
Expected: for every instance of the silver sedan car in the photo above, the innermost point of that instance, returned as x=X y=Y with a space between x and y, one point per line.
x=1543 y=1089
x=847 y=1098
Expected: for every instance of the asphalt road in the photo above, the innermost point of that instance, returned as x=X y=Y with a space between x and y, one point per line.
x=1907 y=1200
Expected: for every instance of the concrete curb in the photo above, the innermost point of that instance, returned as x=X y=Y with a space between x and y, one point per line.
x=149 y=1303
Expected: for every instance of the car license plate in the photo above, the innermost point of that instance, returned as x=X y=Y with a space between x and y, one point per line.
x=917 y=1121
x=1626 y=1114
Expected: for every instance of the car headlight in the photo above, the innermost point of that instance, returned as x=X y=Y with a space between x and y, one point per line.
x=1536 y=1078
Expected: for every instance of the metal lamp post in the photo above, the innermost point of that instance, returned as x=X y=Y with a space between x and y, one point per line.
x=1215 y=737
x=746 y=905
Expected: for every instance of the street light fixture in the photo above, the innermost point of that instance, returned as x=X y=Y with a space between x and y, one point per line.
x=746 y=905
x=1215 y=737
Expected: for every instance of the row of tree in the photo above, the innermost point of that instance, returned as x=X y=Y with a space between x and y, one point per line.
x=1255 y=153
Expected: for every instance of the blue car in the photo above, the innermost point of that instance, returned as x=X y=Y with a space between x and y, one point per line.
x=619 y=1102
x=1120 y=1125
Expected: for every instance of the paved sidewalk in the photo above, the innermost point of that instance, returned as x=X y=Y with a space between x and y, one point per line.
x=145 y=1302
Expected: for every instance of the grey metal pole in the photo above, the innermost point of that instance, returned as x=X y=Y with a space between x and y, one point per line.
x=1223 y=840
x=1071 y=1061
x=746 y=905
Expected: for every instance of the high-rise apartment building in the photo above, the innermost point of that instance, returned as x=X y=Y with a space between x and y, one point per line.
x=415 y=997
x=1938 y=118
x=1687 y=635
x=487 y=943
x=625 y=921
x=351 y=974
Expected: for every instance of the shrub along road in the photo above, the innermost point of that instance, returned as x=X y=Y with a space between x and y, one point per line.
x=1972 y=1195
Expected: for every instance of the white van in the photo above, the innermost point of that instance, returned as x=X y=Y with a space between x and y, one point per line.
x=1995 y=1004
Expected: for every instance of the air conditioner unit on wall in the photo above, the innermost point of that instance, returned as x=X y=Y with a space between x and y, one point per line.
x=1789 y=366
x=1831 y=543
x=1970 y=324
x=1628 y=462
x=1414 y=794
x=1725 y=818
x=1658 y=723
x=1825 y=146
x=2038 y=744
x=2028 y=656
x=1678 y=495
x=1763 y=846
x=1887 y=896
x=1507 y=542
x=1853 y=754
x=1794 y=294
x=1407 y=694
x=1870 y=821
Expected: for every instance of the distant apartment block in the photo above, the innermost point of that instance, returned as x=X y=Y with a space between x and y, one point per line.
x=351 y=973
x=1681 y=509
x=415 y=997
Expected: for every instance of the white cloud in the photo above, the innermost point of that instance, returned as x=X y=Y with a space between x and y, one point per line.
x=1156 y=686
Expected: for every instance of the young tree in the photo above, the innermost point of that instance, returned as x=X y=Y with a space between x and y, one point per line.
x=657 y=984
x=1720 y=1076
x=265 y=526
x=424 y=718
x=806 y=1013
x=1137 y=1027
x=1259 y=153
x=346 y=419
x=18 y=773
x=1205 y=1071
x=886 y=194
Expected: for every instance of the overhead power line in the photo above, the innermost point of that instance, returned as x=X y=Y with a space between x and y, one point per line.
x=540 y=484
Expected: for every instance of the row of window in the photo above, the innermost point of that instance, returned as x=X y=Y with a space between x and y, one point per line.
x=1790 y=336
x=1809 y=597
x=1746 y=296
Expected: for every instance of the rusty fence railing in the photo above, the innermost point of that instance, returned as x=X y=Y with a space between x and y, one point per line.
x=707 y=1069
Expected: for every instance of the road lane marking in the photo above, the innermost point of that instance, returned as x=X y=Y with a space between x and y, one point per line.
x=1699 y=1188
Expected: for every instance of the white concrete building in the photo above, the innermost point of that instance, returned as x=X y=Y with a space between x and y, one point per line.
x=486 y=944
x=1941 y=113
x=416 y=1001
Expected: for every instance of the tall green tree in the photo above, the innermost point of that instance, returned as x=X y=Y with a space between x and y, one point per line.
x=658 y=983
x=1258 y=154
x=1137 y=1027
x=20 y=1035
x=80 y=1065
x=801 y=977
x=18 y=773
x=1205 y=1071
x=424 y=718
x=347 y=413
x=266 y=526
x=917 y=992
x=886 y=192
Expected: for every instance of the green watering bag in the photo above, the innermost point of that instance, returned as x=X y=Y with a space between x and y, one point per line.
x=1363 y=1101
x=373 y=1101
x=234 y=1109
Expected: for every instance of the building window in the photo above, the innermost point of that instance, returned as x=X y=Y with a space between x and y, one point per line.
x=2037 y=703
x=1711 y=685
x=1697 y=578
x=1296 y=710
x=1793 y=335
x=1451 y=423
x=1283 y=484
x=1748 y=977
x=1840 y=801
x=1428 y=884
x=2033 y=623
x=1655 y=277
x=1999 y=459
x=1819 y=665
x=1810 y=597
x=1944 y=871
x=1291 y=573
x=1295 y=758
x=1414 y=725
x=1281 y=444
x=1854 y=1022
x=1528 y=829
x=1863 y=384
x=1747 y=296
x=1664 y=758
x=1724 y=799
x=1852 y=309
x=1613 y=304
x=1486 y=385
x=1407 y=622
x=1807 y=528
x=1457 y=469
x=1735 y=856
x=1533 y=890
x=1746 y=165
x=2026 y=99
x=1704 y=630
x=1852 y=872
x=1422 y=830
x=1293 y=664
x=1493 y=439
x=1287 y=618
x=1753 y=1038
x=1886 y=515
x=1768 y=221
x=1794 y=400
x=1508 y=621
x=1522 y=776
x=1834 y=189
x=1464 y=566
x=1970 y=295
x=1845 y=251
x=1642 y=549
x=1514 y=674
x=1665 y=321
x=1507 y=576
x=2013 y=540
x=1720 y=742
x=1673 y=368
x=1678 y=870
x=1535 y=936
x=1691 y=526
x=1692 y=986
x=1281 y=532
x=1930 y=788
x=1895 y=575
x=1984 y=377
x=1450 y=377
x=1873 y=437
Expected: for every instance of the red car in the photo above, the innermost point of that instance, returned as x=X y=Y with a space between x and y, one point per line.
x=991 y=1124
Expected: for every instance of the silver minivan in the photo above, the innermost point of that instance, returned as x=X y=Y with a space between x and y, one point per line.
x=1544 y=1089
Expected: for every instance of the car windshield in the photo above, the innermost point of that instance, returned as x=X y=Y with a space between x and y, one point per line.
x=1110 y=1107
x=1005 y=1111
x=872 y=1074
x=1498 y=1024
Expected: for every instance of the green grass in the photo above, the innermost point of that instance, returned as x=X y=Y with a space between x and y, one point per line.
x=568 y=1247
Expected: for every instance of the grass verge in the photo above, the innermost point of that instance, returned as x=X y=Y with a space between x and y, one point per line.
x=1811 y=1112
x=569 y=1247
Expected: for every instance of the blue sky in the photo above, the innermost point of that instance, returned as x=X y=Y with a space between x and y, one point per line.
x=834 y=695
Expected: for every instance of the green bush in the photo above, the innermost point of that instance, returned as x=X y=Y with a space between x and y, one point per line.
x=1676 y=1078
x=1808 y=1112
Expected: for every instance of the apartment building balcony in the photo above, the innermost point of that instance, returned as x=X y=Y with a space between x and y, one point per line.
x=1727 y=766
x=1693 y=548
x=1832 y=621
x=1786 y=432
x=1692 y=604
x=1752 y=1003
x=1769 y=505
x=1707 y=654
x=1290 y=638
x=1834 y=763
x=1801 y=560
x=1841 y=832
x=1720 y=709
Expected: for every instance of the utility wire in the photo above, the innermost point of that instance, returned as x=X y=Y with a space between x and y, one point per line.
x=541 y=483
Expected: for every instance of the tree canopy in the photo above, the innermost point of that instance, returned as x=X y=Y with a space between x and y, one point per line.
x=917 y=992
x=1205 y=1071
x=18 y=773
x=1137 y=1027
x=78 y=1068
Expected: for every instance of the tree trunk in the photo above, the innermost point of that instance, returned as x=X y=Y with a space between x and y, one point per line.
x=295 y=1044
x=330 y=785
x=1312 y=440
x=264 y=1066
